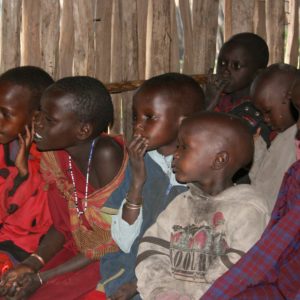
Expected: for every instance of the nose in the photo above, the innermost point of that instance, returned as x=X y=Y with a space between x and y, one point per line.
x=176 y=155
x=138 y=127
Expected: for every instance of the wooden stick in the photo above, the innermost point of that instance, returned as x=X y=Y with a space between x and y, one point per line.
x=120 y=87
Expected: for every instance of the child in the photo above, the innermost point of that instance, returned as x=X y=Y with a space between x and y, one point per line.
x=240 y=59
x=82 y=169
x=24 y=213
x=270 y=270
x=205 y=230
x=270 y=96
x=159 y=106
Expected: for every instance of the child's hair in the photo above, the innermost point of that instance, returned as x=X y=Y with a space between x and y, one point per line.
x=254 y=44
x=31 y=77
x=268 y=73
x=92 y=102
x=228 y=132
x=178 y=86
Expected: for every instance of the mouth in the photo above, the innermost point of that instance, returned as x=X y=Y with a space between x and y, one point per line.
x=37 y=137
x=174 y=169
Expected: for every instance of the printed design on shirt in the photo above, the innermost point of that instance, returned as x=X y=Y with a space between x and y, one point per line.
x=195 y=248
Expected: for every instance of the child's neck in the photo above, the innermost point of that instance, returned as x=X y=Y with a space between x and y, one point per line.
x=215 y=188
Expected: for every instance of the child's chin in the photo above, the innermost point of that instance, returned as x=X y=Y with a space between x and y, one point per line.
x=180 y=179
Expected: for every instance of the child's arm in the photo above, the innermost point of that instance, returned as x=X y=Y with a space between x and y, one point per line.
x=127 y=223
x=136 y=149
x=30 y=282
x=50 y=245
x=244 y=226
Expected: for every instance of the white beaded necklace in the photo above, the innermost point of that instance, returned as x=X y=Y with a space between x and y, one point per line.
x=81 y=212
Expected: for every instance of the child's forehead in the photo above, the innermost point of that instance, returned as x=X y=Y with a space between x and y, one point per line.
x=13 y=92
x=236 y=49
x=274 y=84
x=154 y=97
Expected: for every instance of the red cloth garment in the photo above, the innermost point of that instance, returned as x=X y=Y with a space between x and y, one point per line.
x=76 y=284
x=32 y=219
x=95 y=295
x=271 y=269
x=226 y=104
x=70 y=286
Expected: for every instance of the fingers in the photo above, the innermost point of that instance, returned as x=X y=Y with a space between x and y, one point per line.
x=138 y=146
x=21 y=140
x=28 y=136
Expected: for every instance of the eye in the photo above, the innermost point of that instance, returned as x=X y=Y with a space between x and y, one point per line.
x=5 y=113
x=222 y=63
x=236 y=65
x=150 y=117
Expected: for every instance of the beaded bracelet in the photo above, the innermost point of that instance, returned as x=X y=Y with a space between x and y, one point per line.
x=39 y=258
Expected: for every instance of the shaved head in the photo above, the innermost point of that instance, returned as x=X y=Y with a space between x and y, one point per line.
x=225 y=133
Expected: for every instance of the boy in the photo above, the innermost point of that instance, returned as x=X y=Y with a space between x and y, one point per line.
x=240 y=59
x=270 y=270
x=82 y=169
x=205 y=230
x=158 y=109
x=270 y=95
x=24 y=214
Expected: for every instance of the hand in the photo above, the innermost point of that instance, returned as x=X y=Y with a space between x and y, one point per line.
x=22 y=157
x=27 y=284
x=137 y=149
x=214 y=87
x=124 y=292
x=8 y=283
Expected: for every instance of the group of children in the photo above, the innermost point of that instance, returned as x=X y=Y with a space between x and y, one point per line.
x=180 y=212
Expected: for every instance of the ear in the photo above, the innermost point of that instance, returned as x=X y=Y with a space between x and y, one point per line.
x=221 y=160
x=84 y=131
x=287 y=97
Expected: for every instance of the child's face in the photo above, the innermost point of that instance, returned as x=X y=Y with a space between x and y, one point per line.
x=237 y=66
x=295 y=95
x=56 y=126
x=193 y=158
x=14 y=111
x=155 y=118
x=273 y=102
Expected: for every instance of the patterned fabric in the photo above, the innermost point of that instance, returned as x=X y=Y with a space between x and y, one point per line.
x=32 y=219
x=211 y=233
x=193 y=249
x=271 y=269
x=226 y=104
x=92 y=239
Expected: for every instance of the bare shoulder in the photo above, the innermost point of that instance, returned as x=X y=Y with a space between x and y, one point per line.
x=108 y=149
x=108 y=158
